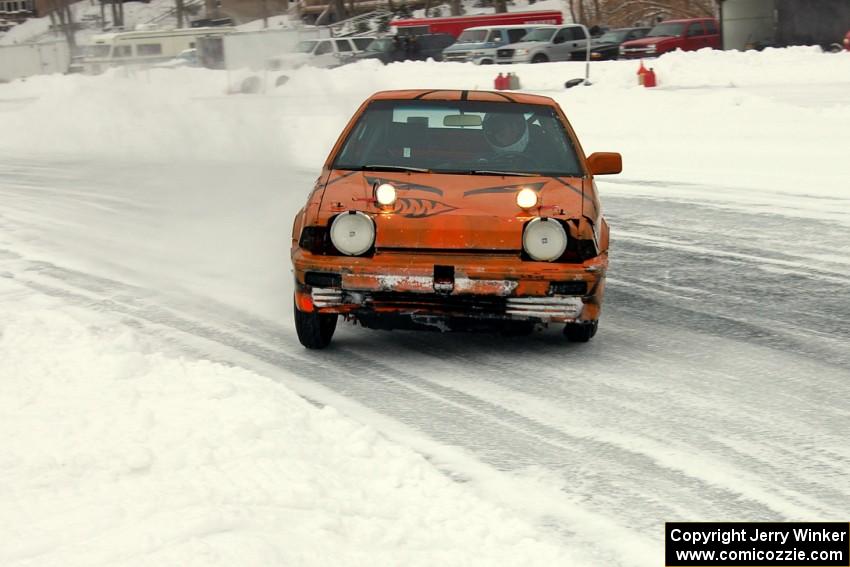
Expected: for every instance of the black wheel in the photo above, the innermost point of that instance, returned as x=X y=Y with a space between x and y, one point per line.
x=580 y=332
x=486 y=62
x=315 y=330
x=539 y=58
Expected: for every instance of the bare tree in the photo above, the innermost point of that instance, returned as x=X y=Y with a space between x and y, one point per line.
x=179 y=9
x=61 y=16
x=501 y=6
x=339 y=10
x=455 y=7
x=622 y=13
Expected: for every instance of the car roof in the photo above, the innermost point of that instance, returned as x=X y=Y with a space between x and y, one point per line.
x=510 y=26
x=686 y=20
x=481 y=96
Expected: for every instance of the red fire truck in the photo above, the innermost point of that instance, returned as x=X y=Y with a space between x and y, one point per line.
x=455 y=24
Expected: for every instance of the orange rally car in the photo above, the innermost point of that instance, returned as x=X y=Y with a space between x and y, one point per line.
x=453 y=210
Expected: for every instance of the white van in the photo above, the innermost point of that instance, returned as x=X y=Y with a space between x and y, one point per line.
x=143 y=47
x=327 y=53
x=479 y=44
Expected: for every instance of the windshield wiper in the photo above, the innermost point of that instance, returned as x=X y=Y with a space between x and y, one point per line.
x=494 y=172
x=379 y=167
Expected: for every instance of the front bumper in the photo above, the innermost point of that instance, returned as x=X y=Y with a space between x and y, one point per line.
x=492 y=286
x=638 y=54
x=517 y=59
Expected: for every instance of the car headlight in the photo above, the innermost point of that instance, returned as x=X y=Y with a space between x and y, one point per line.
x=651 y=48
x=622 y=50
x=385 y=194
x=544 y=239
x=353 y=233
x=521 y=52
x=479 y=53
x=526 y=198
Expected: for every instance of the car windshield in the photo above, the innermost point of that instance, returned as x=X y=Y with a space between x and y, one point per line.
x=472 y=36
x=613 y=36
x=305 y=46
x=463 y=137
x=662 y=30
x=540 y=34
x=381 y=45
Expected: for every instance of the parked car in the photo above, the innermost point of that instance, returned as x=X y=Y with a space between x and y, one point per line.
x=407 y=47
x=546 y=43
x=479 y=44
x=607 y=46
x=687 y=35
x=453 y=210
x=320 y=53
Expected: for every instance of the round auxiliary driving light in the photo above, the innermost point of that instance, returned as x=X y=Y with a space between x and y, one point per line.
x=526 y=198
x=385 y=194
x=353 y=233
x=544 y=239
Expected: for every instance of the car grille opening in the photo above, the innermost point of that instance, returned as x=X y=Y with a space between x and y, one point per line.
x=568 y=288
x=322 y=279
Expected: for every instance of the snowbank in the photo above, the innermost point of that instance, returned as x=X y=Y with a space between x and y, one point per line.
x=114 y=454
x=749 y=119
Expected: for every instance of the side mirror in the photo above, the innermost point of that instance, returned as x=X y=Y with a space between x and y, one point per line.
x=604 y=163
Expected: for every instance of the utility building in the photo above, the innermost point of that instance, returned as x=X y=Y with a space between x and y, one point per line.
x=748 y=24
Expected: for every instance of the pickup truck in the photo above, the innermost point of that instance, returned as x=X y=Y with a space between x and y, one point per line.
x=687 y=35
x=544 y=44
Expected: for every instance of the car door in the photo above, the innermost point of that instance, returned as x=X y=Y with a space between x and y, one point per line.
x=560 y=46
x=323 y=54
x=694 y=37
x=497 y=37
x=515 y=35
x=344 y=49
x=361 y=43
x=568 y=40
x=712 y=35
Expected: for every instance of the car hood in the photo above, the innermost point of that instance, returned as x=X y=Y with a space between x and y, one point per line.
x=369 y=55
x=451 y=211
x=468 y=47
x=644 y=41
x=524 y=45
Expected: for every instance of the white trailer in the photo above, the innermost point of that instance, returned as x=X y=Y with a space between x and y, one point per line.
x=143 y=47
x=253 y=49
x=27 y=59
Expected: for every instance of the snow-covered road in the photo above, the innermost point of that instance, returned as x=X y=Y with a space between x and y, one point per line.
x=716 y=388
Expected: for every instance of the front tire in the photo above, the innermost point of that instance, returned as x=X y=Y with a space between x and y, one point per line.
x=539 y=58
x=580 y=332
x=315 y=330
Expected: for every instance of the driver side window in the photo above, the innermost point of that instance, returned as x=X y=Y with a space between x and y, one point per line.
x=695 y=30
x=323 y=48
